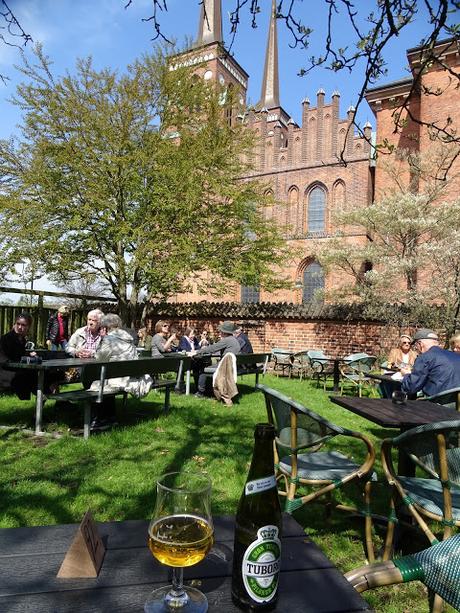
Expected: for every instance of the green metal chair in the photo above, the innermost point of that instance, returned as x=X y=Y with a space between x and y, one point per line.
x=321 y=365
x=433 y=494
x=282 y=360
x=305 y=457
x=448 y=398
x=355 y=370
x=438 y=567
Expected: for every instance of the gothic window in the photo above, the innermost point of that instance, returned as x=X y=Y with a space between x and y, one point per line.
x=250 y=293
x=316 y=210
x=313 y=281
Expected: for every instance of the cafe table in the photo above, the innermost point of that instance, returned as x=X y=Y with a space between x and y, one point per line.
x=386 y=413
x=31 y=557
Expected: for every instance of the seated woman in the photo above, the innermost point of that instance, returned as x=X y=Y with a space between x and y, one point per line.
x=402 y=356
x=145 y=340
x=162 y=342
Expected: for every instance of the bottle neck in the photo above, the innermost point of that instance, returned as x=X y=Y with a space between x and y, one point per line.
x=262 y=464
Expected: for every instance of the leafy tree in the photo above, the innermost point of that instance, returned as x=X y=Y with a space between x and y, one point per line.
x=409 y=260
x=134 y=178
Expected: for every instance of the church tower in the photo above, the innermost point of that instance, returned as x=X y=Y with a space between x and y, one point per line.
x=209 y=56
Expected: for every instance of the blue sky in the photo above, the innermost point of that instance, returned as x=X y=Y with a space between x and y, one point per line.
x=114 y=36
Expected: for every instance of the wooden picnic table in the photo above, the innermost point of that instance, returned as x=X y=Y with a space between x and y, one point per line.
x=30 y=559
x=386 y=413
x=64 y=364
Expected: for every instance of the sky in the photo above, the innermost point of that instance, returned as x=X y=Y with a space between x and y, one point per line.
x=114 y=36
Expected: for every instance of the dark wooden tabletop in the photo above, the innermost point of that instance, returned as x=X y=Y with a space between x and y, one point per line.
x=30 y=559
x=386 y=413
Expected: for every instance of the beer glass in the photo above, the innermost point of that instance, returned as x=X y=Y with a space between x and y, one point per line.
x=180 y=534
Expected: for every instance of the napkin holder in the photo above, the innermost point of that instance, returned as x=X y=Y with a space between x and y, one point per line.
x=86 y=553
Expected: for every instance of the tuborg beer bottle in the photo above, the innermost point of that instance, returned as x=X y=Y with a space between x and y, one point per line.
x=257 y=548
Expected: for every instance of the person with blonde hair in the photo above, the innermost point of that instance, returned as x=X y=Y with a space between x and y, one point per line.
x=402 y=356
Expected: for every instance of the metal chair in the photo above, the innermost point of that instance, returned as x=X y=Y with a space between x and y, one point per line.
x=321 y=365
x=449 y=398
x=438 y=567
x=305 y=457
x=434 y=495
x=355 y=369
x=301 y=364
x=282 y=359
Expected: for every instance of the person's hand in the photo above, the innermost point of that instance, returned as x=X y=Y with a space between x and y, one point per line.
x=405 y=371
x=48 y=344
x=33 y=354
x=83 y=353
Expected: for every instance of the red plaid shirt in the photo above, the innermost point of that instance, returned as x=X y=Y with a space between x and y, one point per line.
x=91 y=341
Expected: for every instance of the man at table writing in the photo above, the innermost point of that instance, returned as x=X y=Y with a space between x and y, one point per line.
x=84 y=341
x=435 y=370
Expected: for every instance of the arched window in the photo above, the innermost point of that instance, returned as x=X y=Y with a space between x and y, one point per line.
x=313 y=281
x=316 y=210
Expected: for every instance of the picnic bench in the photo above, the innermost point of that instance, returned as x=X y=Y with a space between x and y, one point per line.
x=120 y=368
x=246 y=364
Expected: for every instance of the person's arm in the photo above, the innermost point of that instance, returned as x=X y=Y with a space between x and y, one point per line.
x=104 y=350
x=72 y=344
x=415 y=381
x=210 y=349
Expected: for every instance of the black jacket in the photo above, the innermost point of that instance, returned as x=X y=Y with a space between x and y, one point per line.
x=12 y=348
x=52 y=328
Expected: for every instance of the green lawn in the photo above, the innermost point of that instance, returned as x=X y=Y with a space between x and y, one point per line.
x=55 y=480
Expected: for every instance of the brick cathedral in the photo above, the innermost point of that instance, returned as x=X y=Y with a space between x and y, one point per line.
x=302 y=163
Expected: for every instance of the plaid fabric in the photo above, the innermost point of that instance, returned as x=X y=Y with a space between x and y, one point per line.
x=92 y=342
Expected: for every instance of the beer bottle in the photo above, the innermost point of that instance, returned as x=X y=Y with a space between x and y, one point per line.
x=257 y=547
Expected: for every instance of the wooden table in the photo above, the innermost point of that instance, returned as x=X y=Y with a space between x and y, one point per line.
x=386 y=413
x=64 y=364
x=30 y=559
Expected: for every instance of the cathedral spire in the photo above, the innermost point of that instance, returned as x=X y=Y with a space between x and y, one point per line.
x=270 y=95
x=210 y=26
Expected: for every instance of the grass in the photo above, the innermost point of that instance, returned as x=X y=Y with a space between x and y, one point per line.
x=55 y=480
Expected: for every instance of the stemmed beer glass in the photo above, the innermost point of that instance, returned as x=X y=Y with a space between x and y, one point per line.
x=180 y=534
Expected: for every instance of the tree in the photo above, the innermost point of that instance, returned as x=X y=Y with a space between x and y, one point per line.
x=371 y=26
x=410 y=259
x=134 y=178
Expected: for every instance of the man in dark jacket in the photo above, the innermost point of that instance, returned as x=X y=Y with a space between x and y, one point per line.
x=243 y=340
x=227 y=343
x=435 y=370
x=57 y=329
x=13 y=348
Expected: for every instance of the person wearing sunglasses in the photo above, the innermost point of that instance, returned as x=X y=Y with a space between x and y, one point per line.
x=435 y=370
x=402 y=356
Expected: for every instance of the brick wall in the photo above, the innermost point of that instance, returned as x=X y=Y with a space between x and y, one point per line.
x=336 y=338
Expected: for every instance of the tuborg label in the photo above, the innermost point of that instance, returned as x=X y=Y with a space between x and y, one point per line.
x=261 y=565
x=260 y=485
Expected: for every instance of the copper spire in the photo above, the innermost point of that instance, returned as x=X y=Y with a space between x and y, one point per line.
x=270 y=95
x=210 y=26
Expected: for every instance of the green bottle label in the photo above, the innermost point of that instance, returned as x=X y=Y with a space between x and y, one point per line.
x=261 y=565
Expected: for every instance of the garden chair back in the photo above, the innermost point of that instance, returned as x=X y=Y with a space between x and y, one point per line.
x=307 y=456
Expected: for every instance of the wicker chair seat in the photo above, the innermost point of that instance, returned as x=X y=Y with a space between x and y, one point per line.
x=427 y=494
x=320 y=466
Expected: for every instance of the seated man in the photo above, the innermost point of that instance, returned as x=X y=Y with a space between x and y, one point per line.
x=243 y=340
x=12 y=348
x=435 y=370
x=227 y=343
x=84 y=341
